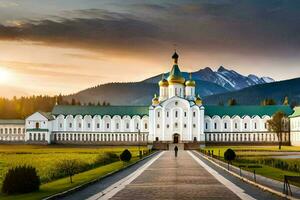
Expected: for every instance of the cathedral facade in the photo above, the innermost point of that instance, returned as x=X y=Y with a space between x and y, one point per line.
x=176 y=115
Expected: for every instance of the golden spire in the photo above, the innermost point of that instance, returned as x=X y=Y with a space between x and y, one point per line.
x=286 y=101
x=198 y=100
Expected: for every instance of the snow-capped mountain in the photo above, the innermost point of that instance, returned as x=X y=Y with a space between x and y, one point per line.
x=228 y=79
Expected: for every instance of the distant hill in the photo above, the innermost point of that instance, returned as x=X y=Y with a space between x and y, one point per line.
x=136 y=93
x=208 y=82
x=255 y=94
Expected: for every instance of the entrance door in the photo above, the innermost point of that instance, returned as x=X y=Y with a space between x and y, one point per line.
x=176 y=138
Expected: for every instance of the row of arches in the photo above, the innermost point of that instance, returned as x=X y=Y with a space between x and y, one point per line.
x=12 y=130
x=37 y=136
x=101 y=124
x=236 y=123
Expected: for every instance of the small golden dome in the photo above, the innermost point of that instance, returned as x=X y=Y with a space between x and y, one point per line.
x=155 y=100
x=190 y=82
x=163 y=82
x=198 y=100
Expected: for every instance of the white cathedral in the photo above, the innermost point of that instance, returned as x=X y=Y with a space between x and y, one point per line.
x=177 y=116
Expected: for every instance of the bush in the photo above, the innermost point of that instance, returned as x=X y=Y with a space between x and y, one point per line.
x=21 y=179
x=125 y=156
x=229 y=155
x=106 y=158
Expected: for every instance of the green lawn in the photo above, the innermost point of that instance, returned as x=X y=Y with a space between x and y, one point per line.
x=64 y=184
x=247 y=154
x=45 y=157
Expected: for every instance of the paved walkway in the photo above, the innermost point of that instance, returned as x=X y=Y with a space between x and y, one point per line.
x=165 y=177
x=175 y=178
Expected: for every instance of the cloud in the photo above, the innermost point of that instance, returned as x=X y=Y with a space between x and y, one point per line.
x=6 y=4
x=107 y=31
x=256 y=27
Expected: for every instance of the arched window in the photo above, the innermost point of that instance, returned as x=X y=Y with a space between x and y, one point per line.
x=225 y=125
x=146 y=125
x=215 y=125
x=107 y=125
x=37 y=125
x=176 y=114
x=127 y=125
x=117 y=125
x=70 y=125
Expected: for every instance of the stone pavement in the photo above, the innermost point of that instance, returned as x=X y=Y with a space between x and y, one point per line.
x=175 y=178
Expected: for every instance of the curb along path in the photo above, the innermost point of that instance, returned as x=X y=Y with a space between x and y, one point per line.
x=234 y=173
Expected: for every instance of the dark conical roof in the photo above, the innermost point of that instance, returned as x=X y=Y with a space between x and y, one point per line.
x=175 y=55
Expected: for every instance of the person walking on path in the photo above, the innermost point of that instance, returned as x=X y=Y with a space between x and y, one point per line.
x=176 y=151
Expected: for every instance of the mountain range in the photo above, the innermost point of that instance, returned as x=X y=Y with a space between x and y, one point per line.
x=256 y=94
x=208 y=83
x=228 y=79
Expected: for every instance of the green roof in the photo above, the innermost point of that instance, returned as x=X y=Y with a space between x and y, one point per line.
x=100 y=110
x=296 y=112
x=212 y=110
x=12 y=121
x=176 y=71
x=37 y=130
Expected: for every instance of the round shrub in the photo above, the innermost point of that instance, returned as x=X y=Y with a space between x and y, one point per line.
x=125 y=156
x=229 y=155
x=21 y=179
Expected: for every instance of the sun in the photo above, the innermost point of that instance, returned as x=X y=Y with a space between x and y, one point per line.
x=4 y=75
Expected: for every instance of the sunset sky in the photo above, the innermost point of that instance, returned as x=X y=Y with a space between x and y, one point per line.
x=64 y=46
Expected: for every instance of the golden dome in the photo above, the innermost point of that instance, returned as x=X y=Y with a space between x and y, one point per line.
x=190 y=82
x=155 y=100
x=198 y=100
x=176 y=79
x=163 y=82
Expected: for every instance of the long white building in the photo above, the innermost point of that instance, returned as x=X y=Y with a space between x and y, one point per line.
x=176 y=115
